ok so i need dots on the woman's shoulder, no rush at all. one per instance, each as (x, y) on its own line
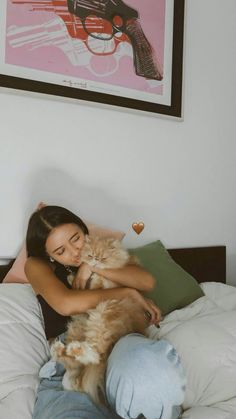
(42, 277)
(33, 262)
(37, 271)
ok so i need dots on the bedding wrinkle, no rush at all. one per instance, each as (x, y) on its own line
(204, 334)
(23, 347)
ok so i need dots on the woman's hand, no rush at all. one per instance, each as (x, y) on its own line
(83, 274)
(41, 205)
(151, 311)
(156, 312)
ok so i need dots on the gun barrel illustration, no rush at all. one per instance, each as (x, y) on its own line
(123, 18)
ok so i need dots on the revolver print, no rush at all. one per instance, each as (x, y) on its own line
(119, 18)
(111, 21)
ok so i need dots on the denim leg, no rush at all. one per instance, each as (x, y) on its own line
(53, 402)
(145, 377)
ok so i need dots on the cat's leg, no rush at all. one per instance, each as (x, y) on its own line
(57, 350)
(105, 325)
(82, 352)
(76, 344)
(70, 379)
(91, 381)
(67, 382)
(59, 354)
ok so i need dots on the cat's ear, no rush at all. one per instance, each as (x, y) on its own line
(114, 243)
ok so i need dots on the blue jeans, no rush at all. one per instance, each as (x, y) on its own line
(144, 378)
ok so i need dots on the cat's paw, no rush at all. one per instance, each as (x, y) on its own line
(57, 350)
(82, 352)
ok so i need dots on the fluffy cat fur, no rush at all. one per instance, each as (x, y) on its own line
(104, 253)
(91, 336)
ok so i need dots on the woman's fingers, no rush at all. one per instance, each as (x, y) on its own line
(83, 274)
(155, 312)
(41, 205)
(74, 284)
(151, 311)
(82, 282)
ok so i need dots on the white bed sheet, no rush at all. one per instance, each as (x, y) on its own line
(23, 350)
(204, 334)
(18, 404)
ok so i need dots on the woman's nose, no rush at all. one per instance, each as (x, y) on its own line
(74, 250)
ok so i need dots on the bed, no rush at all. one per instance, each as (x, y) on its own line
(203, 332)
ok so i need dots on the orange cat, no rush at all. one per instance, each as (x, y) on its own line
(91, 336)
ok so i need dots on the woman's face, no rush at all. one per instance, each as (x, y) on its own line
(64, 244)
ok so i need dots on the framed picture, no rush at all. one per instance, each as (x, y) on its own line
(126, 53)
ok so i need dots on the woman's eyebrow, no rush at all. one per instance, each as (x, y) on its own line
(74, 235)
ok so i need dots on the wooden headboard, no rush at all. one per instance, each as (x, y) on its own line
(203, 263)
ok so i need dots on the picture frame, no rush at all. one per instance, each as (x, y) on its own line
(146, 76)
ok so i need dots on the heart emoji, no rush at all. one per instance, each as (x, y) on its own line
(138, 227)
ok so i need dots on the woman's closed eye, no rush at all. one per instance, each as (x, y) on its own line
(76, 238)
(60, 252)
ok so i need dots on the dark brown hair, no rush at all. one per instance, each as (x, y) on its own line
(41, 224)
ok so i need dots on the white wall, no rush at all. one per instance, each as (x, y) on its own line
(116, 167)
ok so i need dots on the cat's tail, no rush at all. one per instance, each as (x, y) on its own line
(92, 381)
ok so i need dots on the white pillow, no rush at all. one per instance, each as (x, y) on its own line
(23, 345)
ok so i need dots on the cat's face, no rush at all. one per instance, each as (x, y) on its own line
(104, 253)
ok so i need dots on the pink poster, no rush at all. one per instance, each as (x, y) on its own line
(115, 47)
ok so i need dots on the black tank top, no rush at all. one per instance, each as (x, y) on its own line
(55, 323)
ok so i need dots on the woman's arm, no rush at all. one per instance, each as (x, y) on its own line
(132, 276)
(68, 302)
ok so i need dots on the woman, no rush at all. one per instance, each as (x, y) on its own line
(55, 237)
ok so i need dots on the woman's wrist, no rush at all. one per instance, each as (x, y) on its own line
(96, 270)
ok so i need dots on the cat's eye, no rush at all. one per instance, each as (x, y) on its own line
(90, 256)
(103, 259)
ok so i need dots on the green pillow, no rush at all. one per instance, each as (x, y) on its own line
(174, 287)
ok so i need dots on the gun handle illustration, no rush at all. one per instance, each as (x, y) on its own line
(145, 62)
